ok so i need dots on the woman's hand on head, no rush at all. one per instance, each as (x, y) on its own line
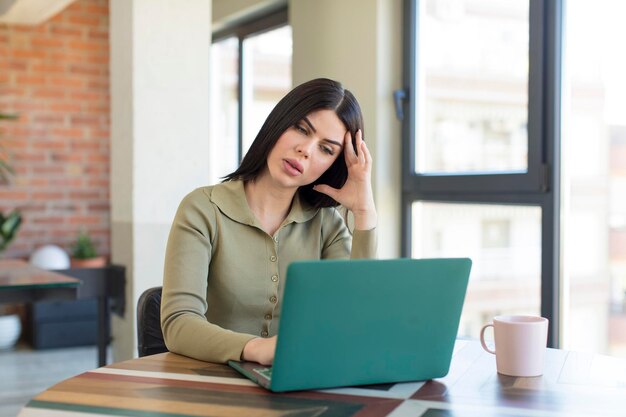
(356, 195)
(260, 350)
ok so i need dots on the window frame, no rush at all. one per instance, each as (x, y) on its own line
(539, 186)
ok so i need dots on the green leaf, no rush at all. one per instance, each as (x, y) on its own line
(8, 228)
(5, 168)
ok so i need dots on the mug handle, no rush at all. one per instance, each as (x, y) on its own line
(482, 338)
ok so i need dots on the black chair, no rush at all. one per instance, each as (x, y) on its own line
(149, 333)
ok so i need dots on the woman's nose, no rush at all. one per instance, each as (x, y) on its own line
(303, 149)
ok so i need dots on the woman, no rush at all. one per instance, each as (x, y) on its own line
(230, 244)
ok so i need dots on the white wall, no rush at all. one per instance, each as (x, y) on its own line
(159, 135)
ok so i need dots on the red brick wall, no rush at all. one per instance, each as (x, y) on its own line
(56, 77)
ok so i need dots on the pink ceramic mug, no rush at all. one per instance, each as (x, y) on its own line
(520, 344)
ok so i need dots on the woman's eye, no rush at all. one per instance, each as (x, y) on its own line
(301, 129)
(327, 149)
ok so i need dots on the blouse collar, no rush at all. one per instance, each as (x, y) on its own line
(230, 198)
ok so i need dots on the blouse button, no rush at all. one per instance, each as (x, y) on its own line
(273, 258)
(268, 317)
(264, 333)
(273, 299)
(275, 278)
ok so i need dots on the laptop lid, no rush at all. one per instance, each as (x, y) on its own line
(356, 322)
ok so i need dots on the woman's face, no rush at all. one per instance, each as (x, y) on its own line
(306, 150)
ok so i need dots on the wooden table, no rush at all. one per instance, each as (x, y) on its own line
(23, 282)
(573, 384)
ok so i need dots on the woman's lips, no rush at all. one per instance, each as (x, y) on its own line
(292, 167)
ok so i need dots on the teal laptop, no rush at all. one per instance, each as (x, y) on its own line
(360, 322)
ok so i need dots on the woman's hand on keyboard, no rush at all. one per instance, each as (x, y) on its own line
(260, 350)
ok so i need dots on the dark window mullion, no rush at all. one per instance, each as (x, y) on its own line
(411, 22)
(536, 48)
(463, 183)
(407, 224)
(240, 103)
(551, 133)
(409, 69)
(512, 198)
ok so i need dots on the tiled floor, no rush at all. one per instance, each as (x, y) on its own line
(25, 372)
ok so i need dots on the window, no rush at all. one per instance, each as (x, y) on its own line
(250, 73)
(480, 136)
(473, 86)
(504, 243)
(224, 145)
(266, 77)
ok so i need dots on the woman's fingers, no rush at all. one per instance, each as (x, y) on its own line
(358, 143)
(364, 157)
(366, 154)
(362, 147)
(356, 152)
(349, 152)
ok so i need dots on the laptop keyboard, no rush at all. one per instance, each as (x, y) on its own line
(265, 372)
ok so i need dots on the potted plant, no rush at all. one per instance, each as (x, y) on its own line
(84, 253)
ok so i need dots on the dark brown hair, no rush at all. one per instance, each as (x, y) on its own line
(304, 99)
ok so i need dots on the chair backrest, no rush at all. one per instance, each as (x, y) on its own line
(149, 333)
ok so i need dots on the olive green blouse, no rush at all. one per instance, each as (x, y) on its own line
(224, 275)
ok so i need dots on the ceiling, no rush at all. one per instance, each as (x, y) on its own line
(30, 12)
